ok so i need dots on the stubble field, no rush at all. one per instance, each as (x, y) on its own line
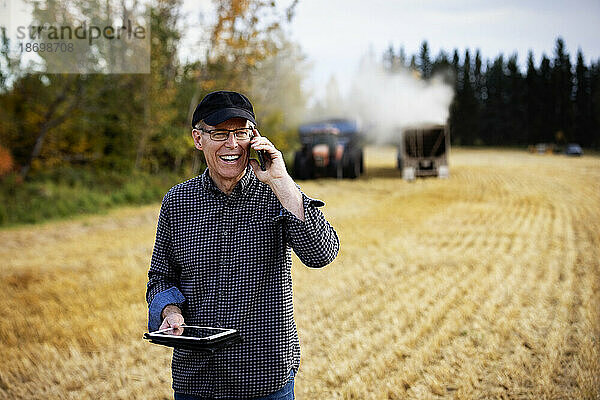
(485, 285)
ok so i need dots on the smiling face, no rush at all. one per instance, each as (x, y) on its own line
(226, 160)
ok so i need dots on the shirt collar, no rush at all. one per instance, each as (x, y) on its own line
(240, 188)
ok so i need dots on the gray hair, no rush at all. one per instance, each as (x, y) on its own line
(200, 125)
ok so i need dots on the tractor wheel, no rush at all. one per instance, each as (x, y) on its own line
(301, 168)
(353, 169)
(339, 170)
(362, 164)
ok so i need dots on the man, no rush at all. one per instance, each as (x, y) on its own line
(222, 258)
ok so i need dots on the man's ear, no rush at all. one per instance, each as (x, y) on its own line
(196, 136)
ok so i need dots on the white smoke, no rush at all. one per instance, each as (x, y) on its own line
(386, 102)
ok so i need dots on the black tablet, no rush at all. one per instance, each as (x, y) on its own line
(201, 338)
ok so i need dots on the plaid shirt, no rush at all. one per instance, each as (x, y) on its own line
(226, 261)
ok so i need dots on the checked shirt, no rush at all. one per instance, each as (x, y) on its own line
(226, 261)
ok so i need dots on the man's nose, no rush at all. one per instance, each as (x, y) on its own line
(231, 141)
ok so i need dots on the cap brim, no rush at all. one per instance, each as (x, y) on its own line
(227, 113)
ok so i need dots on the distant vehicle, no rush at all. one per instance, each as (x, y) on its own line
(423, 151)
(330, 148)
(540, 148)
(544, 148)
(573, 149)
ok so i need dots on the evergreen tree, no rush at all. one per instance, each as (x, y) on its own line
(595, 103)
(413, 63)
(495, 113)
(425, 61)
(515, 103)
(495, 103)
(547, 107)
(456, 62)
(583, 129)
(562, 84)
(479, 91)
(469, 108)
(533, 124)
(402, 57)
(478, 78)
(393, 62)
(454, 122)
(389, 58)
(442, 67)
(464, 109)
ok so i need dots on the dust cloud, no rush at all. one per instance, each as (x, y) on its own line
(386, 102)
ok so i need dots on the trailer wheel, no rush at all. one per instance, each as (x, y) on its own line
(353, 169)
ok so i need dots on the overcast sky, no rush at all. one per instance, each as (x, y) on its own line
(334, 34)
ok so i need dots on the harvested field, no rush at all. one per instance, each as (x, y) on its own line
(485, 285)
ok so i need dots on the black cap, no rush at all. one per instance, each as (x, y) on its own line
(220, 106)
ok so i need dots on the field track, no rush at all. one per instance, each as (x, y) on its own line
(485, 285)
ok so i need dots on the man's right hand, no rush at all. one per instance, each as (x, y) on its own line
(172, 319)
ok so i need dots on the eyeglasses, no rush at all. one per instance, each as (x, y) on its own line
(220, 135)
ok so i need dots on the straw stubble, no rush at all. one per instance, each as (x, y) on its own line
(485, 285)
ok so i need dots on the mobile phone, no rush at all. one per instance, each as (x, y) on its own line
(261, 158)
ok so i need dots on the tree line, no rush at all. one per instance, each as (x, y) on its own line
(497, 104)
(141, 122)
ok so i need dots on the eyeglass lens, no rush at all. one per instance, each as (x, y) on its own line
(241, 134)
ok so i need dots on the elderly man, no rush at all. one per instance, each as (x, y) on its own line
(222, 258)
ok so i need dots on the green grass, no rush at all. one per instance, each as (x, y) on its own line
(67, 192)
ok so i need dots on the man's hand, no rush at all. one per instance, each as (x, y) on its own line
(172, 318)
(276, 176)
(274, 164)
